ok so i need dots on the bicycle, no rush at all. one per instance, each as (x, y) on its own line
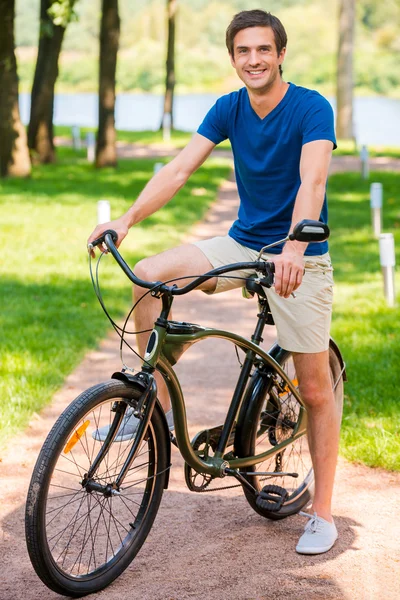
(91, 503)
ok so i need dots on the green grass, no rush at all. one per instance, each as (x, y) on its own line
(348, 148)
(179, 139)
(50, 316)
(365, 328)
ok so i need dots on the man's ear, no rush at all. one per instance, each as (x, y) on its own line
(281, 55)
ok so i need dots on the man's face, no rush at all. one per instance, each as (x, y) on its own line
(255, 57)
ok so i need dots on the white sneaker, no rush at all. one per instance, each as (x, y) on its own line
(318, 537)
(128, 427)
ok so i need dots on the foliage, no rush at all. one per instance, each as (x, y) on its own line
(202, 62)
(50, 316)
(62, 12)
(365, 328)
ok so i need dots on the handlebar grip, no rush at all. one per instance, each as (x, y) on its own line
(268, 279)
(100, 240)
(270, 266)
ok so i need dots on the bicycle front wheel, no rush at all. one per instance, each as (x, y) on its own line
(270, 417)
(80, 537)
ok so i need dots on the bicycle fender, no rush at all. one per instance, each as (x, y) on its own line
(278, 353)
(335, 348)
(134, 380)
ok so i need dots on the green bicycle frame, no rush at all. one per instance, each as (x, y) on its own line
(163, 350)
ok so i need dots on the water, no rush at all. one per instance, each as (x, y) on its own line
(376, 119)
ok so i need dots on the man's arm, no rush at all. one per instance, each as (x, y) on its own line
(161, 188)
(314, 165)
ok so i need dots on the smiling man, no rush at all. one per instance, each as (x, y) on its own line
(282, 138)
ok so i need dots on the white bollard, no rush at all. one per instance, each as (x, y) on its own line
(167, 127)
(376, 195)
(76, 137)
(388, 263)
(157, 167)
(103, 212)
(364, 155)
(90, 144)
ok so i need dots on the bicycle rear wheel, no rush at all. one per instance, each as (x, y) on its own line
(80, 539)
(270, 417)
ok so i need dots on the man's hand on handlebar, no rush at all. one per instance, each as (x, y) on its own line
(289, 270)
(119, 226)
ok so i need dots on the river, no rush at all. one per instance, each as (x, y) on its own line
(376, 119)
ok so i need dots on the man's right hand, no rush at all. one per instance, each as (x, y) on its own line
(119, 226)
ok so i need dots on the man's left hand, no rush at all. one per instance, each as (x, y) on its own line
(289, 270)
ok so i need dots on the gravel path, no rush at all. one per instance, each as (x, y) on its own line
(213, 546)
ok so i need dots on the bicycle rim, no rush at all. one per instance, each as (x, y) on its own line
(88, 538)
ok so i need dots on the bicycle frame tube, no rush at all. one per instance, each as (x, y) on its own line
(165, 346)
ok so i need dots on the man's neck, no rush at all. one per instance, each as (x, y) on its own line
(264, 101)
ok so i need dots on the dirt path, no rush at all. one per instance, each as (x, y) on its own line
(213, 546)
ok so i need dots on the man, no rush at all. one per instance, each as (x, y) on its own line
(282, 138)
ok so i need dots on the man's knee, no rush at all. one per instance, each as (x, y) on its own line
(147, 269)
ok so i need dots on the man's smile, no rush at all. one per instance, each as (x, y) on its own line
(255, 72)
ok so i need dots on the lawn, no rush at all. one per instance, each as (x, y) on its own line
(366, 329)
(180, 138)
(50, 316)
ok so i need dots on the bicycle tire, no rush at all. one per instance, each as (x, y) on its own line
(296, 456)
(79, 541)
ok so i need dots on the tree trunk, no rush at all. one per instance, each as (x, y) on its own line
(344, 90)
(106, 152)
(172, 6)
(40, 130)
(14, 155)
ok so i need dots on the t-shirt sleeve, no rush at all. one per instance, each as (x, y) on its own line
(318, 121)
(215, 124)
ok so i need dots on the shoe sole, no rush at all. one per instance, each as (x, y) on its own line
(319, 550)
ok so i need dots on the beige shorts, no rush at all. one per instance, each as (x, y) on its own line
(302, 323)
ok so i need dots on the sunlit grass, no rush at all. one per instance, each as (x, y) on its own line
(50, 316)
(367, 330)
(179, 139)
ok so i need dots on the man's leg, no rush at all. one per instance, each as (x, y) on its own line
(177, 262)
(323, 425)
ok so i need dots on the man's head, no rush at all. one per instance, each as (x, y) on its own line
(257, 34)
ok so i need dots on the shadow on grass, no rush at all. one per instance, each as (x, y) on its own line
(44, 333)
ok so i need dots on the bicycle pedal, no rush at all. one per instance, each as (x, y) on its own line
(271, 498)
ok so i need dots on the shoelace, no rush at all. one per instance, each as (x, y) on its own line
(313, 523)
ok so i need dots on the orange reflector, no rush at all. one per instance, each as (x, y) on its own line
(76, 436)
(286, 391)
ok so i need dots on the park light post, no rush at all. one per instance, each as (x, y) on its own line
(388, 263)
(364, 155)
(376, 195)
(103, 212)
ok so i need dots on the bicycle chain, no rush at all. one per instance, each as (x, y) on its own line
(228, 487)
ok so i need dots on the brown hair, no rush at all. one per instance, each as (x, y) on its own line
(256, 18)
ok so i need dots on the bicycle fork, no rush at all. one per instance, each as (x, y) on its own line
(143, 410)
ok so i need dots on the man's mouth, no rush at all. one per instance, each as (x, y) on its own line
(256, 72)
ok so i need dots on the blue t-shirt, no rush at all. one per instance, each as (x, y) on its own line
(267, 159)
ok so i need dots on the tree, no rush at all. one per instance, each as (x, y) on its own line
(172, 6)
(344, 81)
(106, 154)
(14, 155)
(54, 18)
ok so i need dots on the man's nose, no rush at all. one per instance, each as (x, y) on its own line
(254, 59)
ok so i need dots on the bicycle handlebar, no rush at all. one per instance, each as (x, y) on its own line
(109, 238)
